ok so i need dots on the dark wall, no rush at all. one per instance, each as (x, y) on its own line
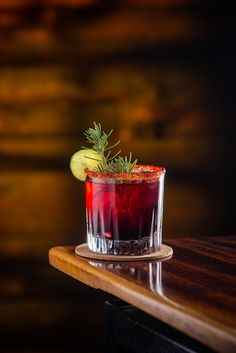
(162, 77)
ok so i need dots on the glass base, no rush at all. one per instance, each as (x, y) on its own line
(146, 245)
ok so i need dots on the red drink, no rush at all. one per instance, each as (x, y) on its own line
(124, 211)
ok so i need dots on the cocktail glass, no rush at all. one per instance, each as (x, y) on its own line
(124, 211)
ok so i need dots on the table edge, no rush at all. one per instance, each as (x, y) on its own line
(207, 331)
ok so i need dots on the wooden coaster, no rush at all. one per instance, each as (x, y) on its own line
(83, 250)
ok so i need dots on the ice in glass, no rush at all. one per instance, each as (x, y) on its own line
(124, 211)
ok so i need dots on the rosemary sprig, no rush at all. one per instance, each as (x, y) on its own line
(122, 164)
(108, 163)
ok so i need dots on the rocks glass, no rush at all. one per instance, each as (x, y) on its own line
(124, 211)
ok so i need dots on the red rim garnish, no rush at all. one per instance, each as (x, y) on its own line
(139, 172)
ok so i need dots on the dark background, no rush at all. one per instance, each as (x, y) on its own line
(161, 74)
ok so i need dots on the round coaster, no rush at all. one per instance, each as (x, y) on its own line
(83, 250)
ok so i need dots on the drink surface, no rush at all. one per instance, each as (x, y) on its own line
(122, 211)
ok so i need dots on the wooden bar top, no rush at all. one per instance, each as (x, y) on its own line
(194, 291)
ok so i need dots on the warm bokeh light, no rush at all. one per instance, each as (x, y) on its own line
(159, 74)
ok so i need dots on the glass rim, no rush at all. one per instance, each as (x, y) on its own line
(140, 172)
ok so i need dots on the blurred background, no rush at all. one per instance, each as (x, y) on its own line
(160, 73)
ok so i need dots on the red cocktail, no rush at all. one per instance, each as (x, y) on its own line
(124, 211)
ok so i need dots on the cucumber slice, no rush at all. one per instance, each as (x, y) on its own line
(86, 158)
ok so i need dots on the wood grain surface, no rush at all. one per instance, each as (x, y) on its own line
(194, 291)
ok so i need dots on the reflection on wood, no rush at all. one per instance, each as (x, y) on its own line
(193, 291)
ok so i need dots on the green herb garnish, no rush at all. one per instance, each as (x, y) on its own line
(108, 163)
